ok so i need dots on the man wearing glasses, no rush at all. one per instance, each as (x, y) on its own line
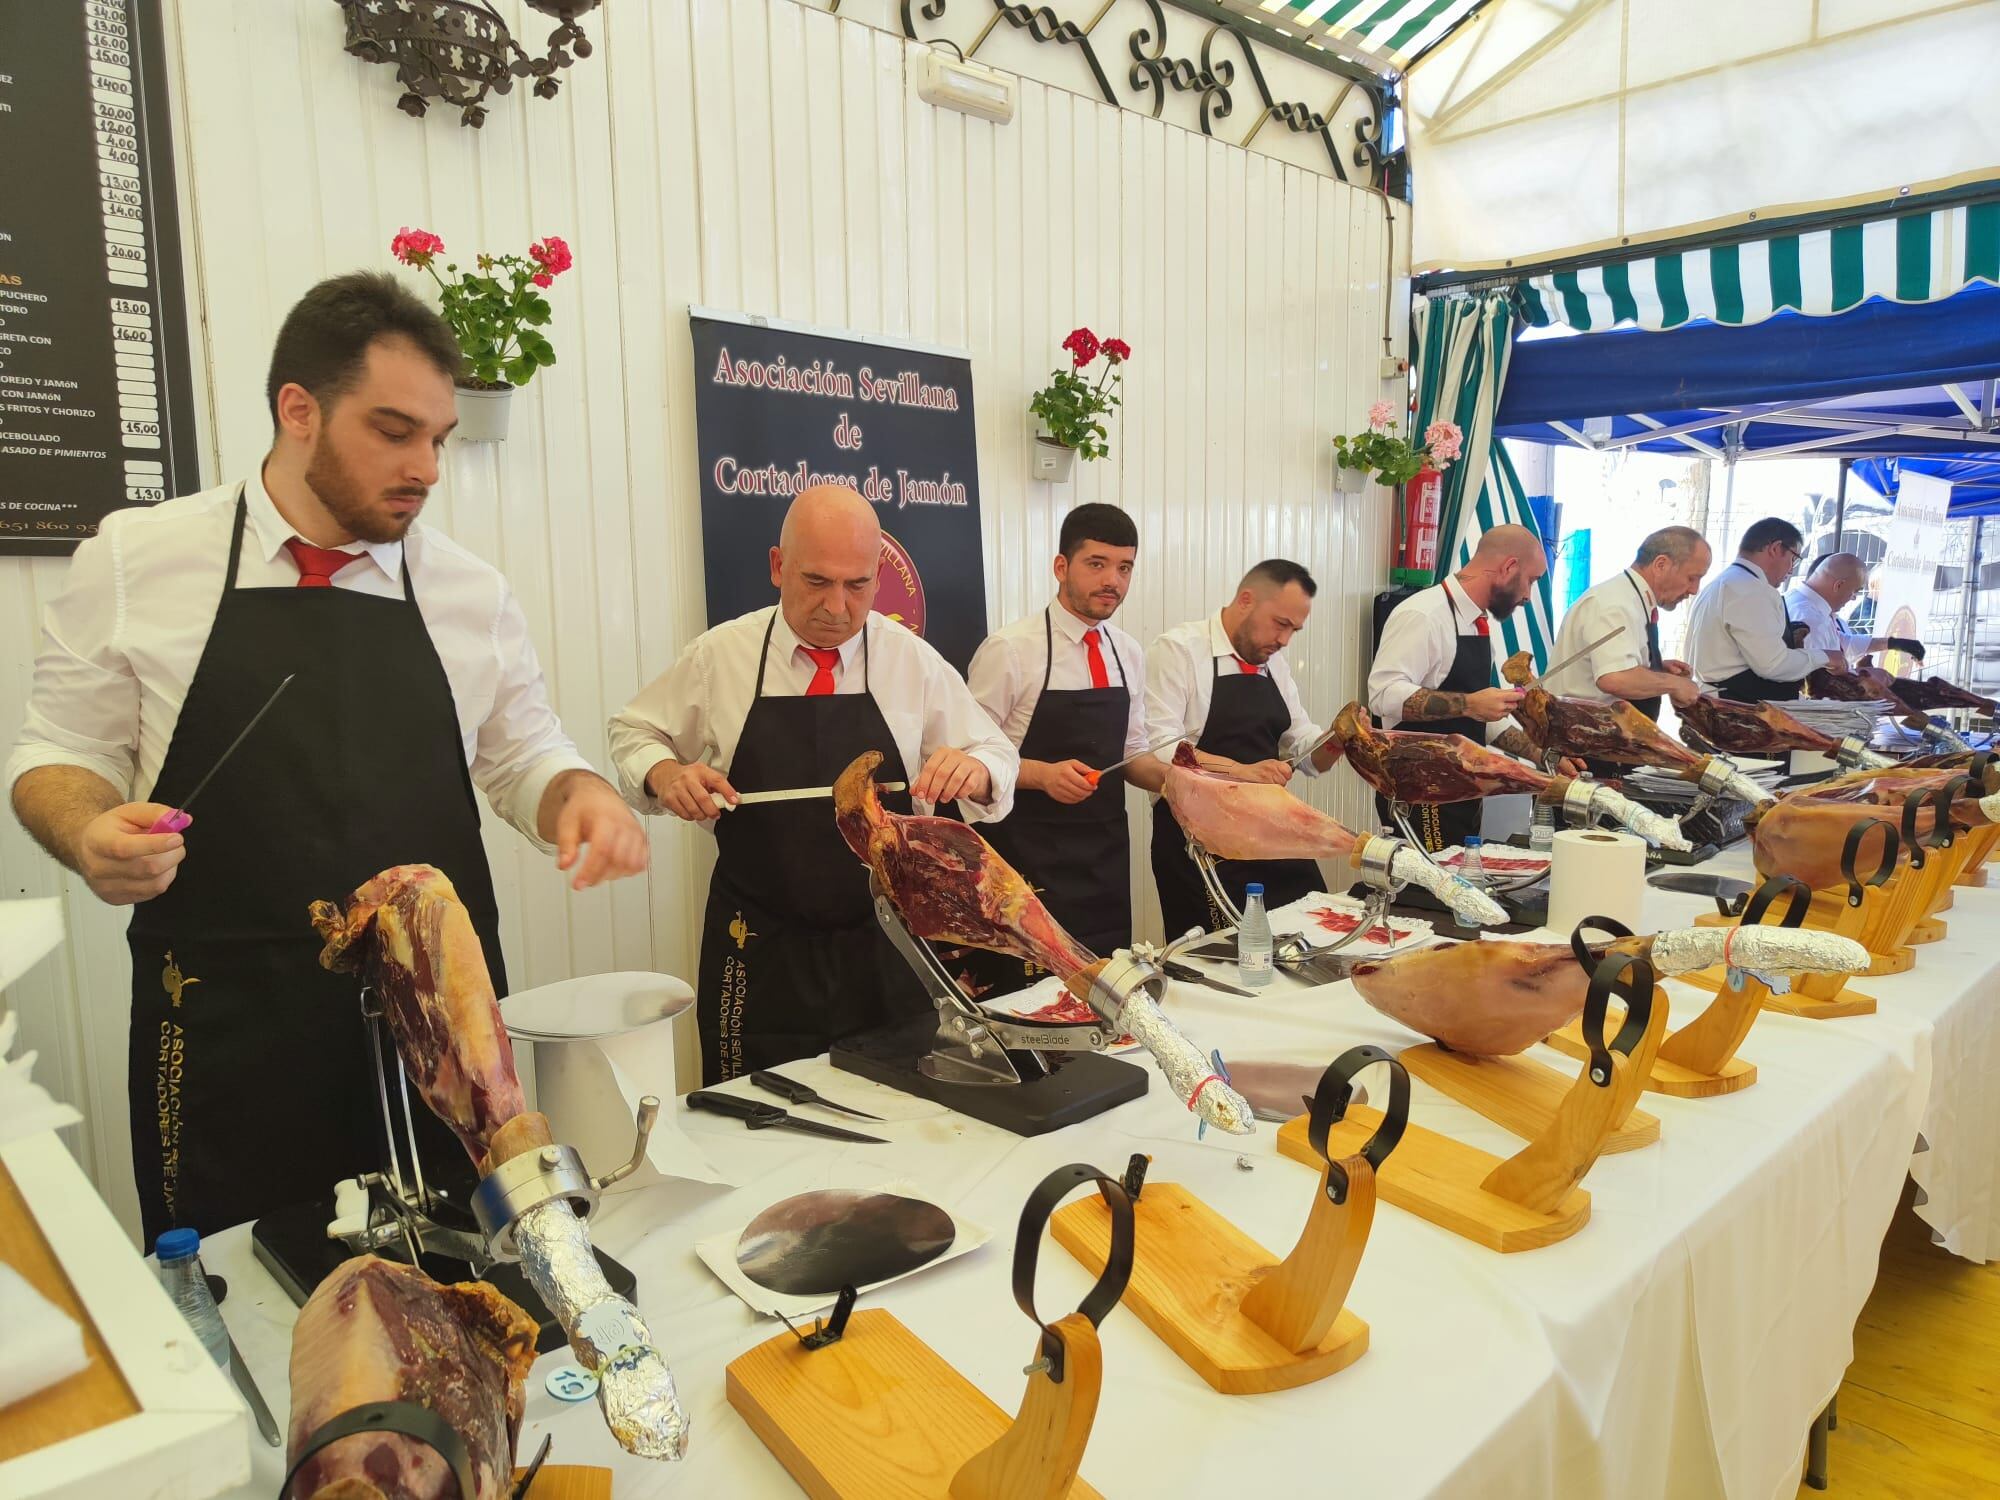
(1742, 643)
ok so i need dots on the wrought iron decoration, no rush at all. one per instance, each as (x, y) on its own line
(459, 51)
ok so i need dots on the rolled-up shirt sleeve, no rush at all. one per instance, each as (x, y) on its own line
(954, 718)
(665, 721)
(521, 745)
(83, 704)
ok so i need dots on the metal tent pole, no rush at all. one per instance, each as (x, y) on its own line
(1968, 612)
(1840, 507)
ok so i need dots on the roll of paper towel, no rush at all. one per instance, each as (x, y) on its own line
(1596, 874)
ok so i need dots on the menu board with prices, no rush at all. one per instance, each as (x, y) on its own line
(96, 408)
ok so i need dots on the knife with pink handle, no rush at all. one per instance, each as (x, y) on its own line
(177, 819)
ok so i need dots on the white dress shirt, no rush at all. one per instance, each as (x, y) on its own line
(1823, 628)
(1007, 669)
(694, 711)
(1623, 599)
(1180, 679)
(122, 639)
(1739, 622)
(1419, 644)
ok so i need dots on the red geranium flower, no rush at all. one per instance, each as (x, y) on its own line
(552, 255)
(542, 278)
(1117, 351)
(415, 247)
(1082, 345)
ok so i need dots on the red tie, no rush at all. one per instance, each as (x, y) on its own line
(1653, 618)
(317, 565)
(1245, 667)
(1098, 676)
(823, 660)
(1483, 625)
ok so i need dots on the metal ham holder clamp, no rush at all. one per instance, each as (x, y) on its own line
(1025, 1076)
(1292, 950)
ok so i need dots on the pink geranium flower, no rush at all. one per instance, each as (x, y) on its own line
(1380, 415)
(415, 247)
(1444, 440)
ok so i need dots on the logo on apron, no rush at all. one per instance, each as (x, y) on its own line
(740, 930)
(899, 591)
(167, 1089)
(173, 981)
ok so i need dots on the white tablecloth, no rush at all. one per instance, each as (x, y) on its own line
(1680, 1344)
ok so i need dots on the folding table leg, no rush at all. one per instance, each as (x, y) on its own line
(1816, 1449)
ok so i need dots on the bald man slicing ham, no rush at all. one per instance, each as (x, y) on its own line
(785, 698)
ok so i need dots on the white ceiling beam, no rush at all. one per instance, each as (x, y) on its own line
(1970, 409)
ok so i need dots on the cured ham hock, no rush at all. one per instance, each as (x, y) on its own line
(950, 886)
(375, 1331)
(1802, 833)
(411, 940)
(1235, 819)
(1760, 729)
(1493, 998)
(1426, 768)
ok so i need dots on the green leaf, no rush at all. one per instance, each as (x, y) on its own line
(520, 371)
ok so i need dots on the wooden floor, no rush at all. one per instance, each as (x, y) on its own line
(1920, 1408)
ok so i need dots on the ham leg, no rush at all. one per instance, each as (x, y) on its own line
(951, 887)
(1235, 819)
(1760, 729)
(1935, 692)
(410, 938)
(1424, 768)
(376, 1330)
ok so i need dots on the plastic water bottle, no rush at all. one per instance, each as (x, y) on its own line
(1542, 831)
(1474, 867)
(179, 1252)
(1253, 938)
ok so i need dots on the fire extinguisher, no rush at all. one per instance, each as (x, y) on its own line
(1422, 498)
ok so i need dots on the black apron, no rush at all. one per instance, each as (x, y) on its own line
(1076, 855)
(1746, 686)
(1247, 719)
(1650, 707)
(249, 1073)
(1443, 824)
(792, 958)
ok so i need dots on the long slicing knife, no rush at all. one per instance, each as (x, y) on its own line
(1576, 656)
(792, 794)
(1093, 777)
(176, 820)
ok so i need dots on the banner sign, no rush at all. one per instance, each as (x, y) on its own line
(95, 407)
(779, 409)
(1907, 574)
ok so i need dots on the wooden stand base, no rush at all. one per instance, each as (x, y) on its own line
(1698, 1061)
(1192, 1270)
(1444, 1181)
(1515, 1093)
(879, 1416)
(1666, 1077)
(1805, 998)
(1897, 961)
(1927, 930)
(1973, 878)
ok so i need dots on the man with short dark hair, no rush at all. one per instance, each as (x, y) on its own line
(1741, 641)
(1667, 570)
(415, 681)
(1068, 688)
(1223, 683)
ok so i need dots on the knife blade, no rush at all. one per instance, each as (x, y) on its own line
(794, 1092)
(177, 819)
(1575, 656)
(1093, 777)
(1718, 887)
(793, 794)
(266, 1423)
(757, 1115)
(1189, 974)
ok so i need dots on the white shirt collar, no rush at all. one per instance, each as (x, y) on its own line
(273, 530)
(785, 644)
(1070, 627)
(1448, 586)
(1645, 589)
(1219, 644)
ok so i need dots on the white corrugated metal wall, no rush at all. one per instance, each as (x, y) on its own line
(758, 155)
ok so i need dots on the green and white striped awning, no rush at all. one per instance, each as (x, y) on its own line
(1391, 34)
(1919, 257)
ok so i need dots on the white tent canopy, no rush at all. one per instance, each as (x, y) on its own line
(1548, 128)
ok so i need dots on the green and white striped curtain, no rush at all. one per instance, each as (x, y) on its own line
(1396, 31)
(1462, 348)
(1918, 257)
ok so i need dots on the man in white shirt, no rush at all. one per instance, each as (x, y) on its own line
(1433, 671)
(413, 680)
(787, 696)
(1667, 569)
(1068, 688)
(1740, 639)
(1816, 601)
(1223, 683)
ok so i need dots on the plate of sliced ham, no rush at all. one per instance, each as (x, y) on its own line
(1322, 918)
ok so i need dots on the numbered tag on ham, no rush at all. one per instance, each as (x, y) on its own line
(377, 1331)
(411, 940)
(950, 887)
(1493, 998)
(1436, 768)
(1235, 819)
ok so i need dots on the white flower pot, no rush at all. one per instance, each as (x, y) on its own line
(1052, 460)
(482, 415)
(1353, 481)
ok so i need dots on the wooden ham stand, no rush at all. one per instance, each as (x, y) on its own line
(1531, 1199)
(863, 1409)
(1215, 1296)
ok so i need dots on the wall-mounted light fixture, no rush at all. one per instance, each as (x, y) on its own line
(459, 51)
(969, 87)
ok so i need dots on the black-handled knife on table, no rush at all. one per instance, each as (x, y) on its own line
(757, 1115)
(794, 1092)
